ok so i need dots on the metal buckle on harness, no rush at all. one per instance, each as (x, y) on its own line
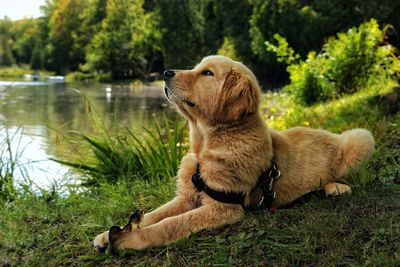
(267, 189)
(261, 201)
(273, 179)
(279, 174)
(263, 198)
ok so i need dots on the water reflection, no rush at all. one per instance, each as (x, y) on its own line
(36, 106)
(29, 150)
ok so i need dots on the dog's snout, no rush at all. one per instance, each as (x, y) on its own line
(168, 74)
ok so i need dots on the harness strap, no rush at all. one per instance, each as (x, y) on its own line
(225, 197)
(265, 182)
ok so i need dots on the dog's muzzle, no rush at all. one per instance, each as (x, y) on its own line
(168, 74)
(166, 93)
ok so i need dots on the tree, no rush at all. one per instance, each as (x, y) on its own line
(25, 35)
(6, 57)
(65, 51)
(234, 16)
(306, 24)
(37, 58)
(127, 35)
(190, 31)
(92, 17)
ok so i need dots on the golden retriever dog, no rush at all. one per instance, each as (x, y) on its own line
(230, 149)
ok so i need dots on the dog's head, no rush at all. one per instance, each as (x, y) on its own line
(218, 90)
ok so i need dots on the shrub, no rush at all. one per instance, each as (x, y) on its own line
(78, 76)
(228, 49)
(346, 64)
(18, 72)
(103, 77)
(157, 154)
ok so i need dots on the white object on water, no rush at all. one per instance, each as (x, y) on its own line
(31, 77)
(108, 94)
(57, 79)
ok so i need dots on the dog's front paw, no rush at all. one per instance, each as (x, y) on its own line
(336, 189)
(118, 236)
(113, 237)
(101, 241)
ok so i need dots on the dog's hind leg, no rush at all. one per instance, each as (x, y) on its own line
(356, 145)
(336, 189)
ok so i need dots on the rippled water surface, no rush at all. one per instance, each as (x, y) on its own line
(37, 114)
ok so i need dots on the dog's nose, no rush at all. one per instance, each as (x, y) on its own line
(168, 74)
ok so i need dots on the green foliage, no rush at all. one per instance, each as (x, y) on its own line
(349, 111)
(191, 29)
(78, 76)
(25, 36)
(233, 18)
(133, 38)
(157, 154)
(283, 51)
(6, 57)
(38, 56)
(9, 164)
(127, 35)
(18, 72)
(64, 44)
(228, 49)
(345, 65)
(89, 76)
(307, 24)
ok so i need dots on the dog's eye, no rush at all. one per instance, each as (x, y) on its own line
(207, 73)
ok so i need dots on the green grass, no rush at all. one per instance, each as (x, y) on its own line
(361, 109)
(351, 230)
(9, 163)
(362, 229)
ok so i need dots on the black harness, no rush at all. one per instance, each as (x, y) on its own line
(265, 183)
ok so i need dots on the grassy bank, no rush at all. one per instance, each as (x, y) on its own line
(48, 229)
(354, 230)
(19, 72)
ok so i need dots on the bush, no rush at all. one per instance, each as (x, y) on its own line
(346, 64)
(228, 49)
(78, 76)
(18, 72)
(103, 77)
(88, 76)
(126, 156)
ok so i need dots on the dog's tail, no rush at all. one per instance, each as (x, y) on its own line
(357, 145)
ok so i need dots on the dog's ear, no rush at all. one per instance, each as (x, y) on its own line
(237, 98)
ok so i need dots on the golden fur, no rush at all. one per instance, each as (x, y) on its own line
(234, 146)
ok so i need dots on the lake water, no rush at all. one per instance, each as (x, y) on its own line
(38, 114)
